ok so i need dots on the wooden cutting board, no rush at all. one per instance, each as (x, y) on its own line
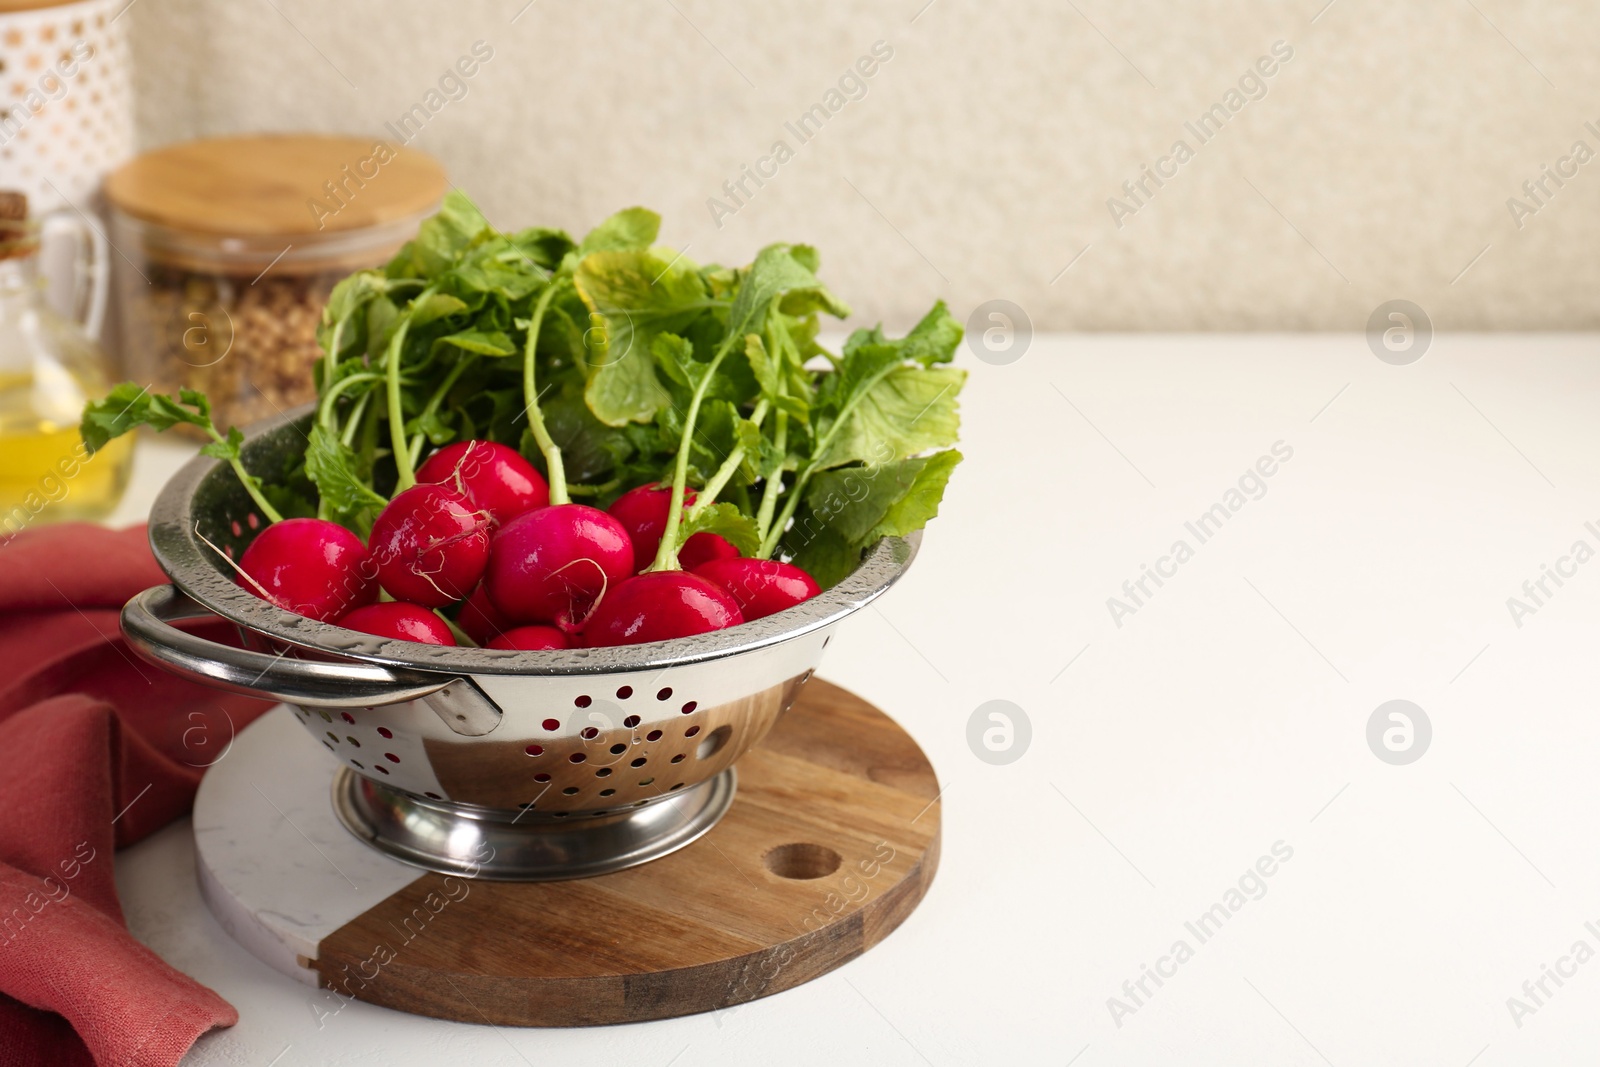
(831, 842)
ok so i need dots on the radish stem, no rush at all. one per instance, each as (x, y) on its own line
(247, 479)
(397, 419)
(667, 554)
(730, 466)
(554, 469)
(349, 433)
(436, 399)
(769, 492)
(770, 542)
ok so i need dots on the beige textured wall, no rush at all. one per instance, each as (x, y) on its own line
(980, 161)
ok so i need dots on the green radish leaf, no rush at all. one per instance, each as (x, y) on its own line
(545, 247)
(637, 295)
(717, 431)
(778, 273)
(821, 551)
(848, 510)
(630, 230)
(893, 413)
(508, 278)
(290, 504)
(726, 521)
(434, 425)
(442, 239)
(434, 307)
(484, 344)
(128, 406)
(932, 340)
(936, 338)
(382, 317)
(332, 468)
(866, 503)
(762, 366)
(347, 308)
(590, 449)
(227, 448)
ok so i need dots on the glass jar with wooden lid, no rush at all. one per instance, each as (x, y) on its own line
(228, 248)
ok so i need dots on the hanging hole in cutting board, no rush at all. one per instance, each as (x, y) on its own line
(802, 861)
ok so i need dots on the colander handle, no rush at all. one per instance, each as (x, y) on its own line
(147, 622)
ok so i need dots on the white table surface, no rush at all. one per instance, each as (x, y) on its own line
(1170, 753)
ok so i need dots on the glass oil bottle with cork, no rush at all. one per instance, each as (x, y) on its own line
(49, 368)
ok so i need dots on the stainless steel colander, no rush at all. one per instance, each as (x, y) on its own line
(508, 765)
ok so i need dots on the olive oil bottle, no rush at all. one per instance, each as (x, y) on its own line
(49, 368)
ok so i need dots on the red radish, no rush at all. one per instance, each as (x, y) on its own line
(658, 606)
(702, 548)
(311, 567)
(643, 513)
(431, 545)
(761, 586)
(551, 565)
(492, 477)
(532, 639)
(401, 621)
(480, 619)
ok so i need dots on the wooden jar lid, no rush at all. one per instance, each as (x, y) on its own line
(267, 185)
(9, 6)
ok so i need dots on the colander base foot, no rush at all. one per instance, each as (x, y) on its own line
(510, 847)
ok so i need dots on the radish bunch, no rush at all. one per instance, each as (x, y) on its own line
(529, 442)
(528, 574)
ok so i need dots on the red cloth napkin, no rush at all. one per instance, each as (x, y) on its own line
(98, 749)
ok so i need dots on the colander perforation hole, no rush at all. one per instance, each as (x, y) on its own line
(646, 781)
(353, 741)
(534, 750)
(584, 701)
(631, 721)
(688, 709)
(665, 694)
(347, 717)
(625, 692)
(607, 792)
(640, 762)
(618, 749)
(357, 764)
(380, 768)
(385, 733)
(333, 737)
(570, 791)
(653, 735)
(679, 758)
(552, 725)
(714, 742)
(327, 746)
(603, 772)
(589, 733)
(691, 731)
(541, 777)
(391, 757)
(577, 757)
